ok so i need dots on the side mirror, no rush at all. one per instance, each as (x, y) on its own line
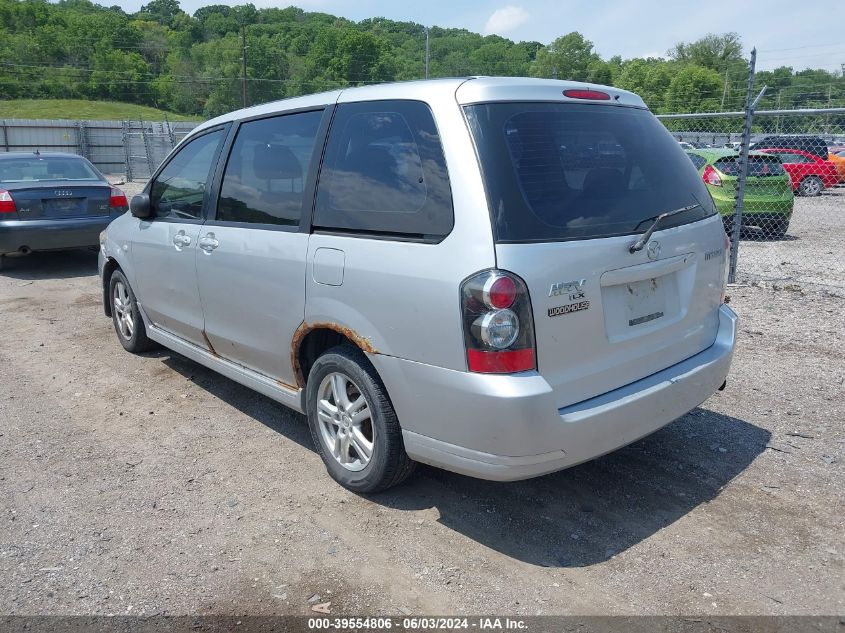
(140, 206)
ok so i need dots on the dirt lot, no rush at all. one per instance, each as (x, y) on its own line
(813, 250)
(148, 484)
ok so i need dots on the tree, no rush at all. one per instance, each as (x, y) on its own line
(568, 57)
(694, 89)
(76, 48)
(716, 52)
(161, 11)
(649, 78)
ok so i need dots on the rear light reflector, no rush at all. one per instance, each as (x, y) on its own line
(595, 95)
(7, 204)
(498, 324)
(117, 198)
(711, 176)
(505, 362)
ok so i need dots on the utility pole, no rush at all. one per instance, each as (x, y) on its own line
(827, 119)
(725, 91)
(426, 52)
(243, 63)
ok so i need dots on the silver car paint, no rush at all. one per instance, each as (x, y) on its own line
(166, 253)
(240, 309)
(403, 296)
(402, 299)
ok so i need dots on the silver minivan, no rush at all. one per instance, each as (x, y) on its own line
(502, 277)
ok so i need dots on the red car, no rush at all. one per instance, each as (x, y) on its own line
(809, 173)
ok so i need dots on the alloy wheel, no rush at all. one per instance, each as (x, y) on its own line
(122, 307)
(345, 421)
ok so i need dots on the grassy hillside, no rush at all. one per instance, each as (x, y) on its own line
(82, 109)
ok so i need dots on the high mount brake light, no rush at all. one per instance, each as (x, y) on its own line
(498, 325)
(578, 93)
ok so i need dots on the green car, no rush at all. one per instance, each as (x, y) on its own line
(768, 190)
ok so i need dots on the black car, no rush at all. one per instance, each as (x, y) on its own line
(53, 201)
(811, 144)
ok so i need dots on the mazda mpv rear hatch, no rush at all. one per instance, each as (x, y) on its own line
(571, 186)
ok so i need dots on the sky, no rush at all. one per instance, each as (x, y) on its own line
(785, 32)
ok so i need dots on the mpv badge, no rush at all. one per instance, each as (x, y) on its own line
(653, 249)
(575, 289)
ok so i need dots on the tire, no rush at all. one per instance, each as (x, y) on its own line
(781, 228)
(342, 441)
(811, 186)
(128, 324)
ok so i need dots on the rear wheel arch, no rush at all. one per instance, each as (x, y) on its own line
(310, 341)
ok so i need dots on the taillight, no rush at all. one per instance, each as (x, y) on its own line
(711, 176)
(498, 325)
(117, 198)
(7, 205)
(577, 93)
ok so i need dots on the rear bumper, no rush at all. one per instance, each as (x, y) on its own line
(508, 428)
(764, 220)
(43, 235)
(773, 208)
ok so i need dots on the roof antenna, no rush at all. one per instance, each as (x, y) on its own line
(36, 152)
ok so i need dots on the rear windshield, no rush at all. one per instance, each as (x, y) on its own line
(561, 171)
(758, 166)
(45, 168)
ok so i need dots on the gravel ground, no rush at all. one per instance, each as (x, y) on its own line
(148, 484)
(813, 250)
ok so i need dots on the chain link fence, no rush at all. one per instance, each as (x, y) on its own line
(793, 202)
(781, 172)
(128, 149)
(778, 180)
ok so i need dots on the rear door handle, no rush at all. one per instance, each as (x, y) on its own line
(180, 240)
(208, 243)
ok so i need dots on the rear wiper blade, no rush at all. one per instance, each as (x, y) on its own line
(640, 243)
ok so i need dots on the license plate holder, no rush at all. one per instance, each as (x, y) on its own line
(62, 206)
(646, 301)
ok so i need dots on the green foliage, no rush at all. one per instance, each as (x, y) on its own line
(694, 89)
(716, 52)
(568, 57)
(82, 109)
(163, 57)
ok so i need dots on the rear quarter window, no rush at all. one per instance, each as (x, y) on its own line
(384, 172)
